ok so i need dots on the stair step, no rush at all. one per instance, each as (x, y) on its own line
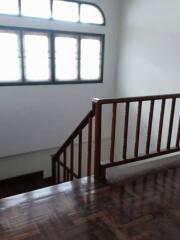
(22, 184)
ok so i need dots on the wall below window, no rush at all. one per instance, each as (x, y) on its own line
(21, 164)
(41, 117)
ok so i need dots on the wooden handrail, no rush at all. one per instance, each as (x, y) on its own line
(57, 163)
(135, 99)
(74, 134)
(137, 156)
(62, 170)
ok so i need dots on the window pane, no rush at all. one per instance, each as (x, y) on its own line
(9, 57)
(90, 14)
(36, 8)
(90, 59)
(66, 58)
(9, 7)
(36, 53)
(67, 11)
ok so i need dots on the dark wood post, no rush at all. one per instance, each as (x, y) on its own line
(97, 150)
(53, 169)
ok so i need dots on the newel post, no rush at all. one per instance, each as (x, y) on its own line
(53, 169)
(97, 151)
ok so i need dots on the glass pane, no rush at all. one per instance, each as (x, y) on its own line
(36, 8)
(90, 14)
(66, 52)
(66, 11)
(36, 53)
(9, 57)
(9, 7)
(90, 59)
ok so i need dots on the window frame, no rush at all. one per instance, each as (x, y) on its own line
(63, 21)
(51, 35)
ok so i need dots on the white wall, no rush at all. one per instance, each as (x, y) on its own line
(41, 161)
(41, 117)
(149, 60)
(145, 33)
(149, 52)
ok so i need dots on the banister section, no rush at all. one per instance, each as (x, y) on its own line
(136, 99)
(160, 122)
(59, 160)
(75, 133)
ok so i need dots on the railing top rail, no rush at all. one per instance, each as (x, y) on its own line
(135, 99)
(75, 133)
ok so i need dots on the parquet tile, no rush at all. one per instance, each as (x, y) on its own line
(141, 207)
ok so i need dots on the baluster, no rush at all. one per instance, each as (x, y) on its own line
(68, 174)
(161, 125)
(126, 123)
(53, 168)
(56, 167)
(149, 132)
(113, 132)
(136, 150)
(80, 154)
(178, 135)
(58, 170)
(171, 123)
(72, 160)
(97, 152)
(89, 147)
(64, 167)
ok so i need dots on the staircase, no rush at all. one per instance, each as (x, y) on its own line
(22, 184)
(69, 163)
(66, 166)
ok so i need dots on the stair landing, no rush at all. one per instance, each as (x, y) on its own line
(141, 207)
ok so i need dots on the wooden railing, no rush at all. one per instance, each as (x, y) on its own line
(61, 170)
(100, 166)
(137, 156)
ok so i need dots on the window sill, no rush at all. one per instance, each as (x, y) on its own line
(50, 83)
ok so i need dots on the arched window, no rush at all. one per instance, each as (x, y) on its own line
(90, 13)
(64, 10)
(48, 56)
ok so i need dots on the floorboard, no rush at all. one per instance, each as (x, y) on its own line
(140, 207)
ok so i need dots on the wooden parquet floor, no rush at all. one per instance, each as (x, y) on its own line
(142, 207)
